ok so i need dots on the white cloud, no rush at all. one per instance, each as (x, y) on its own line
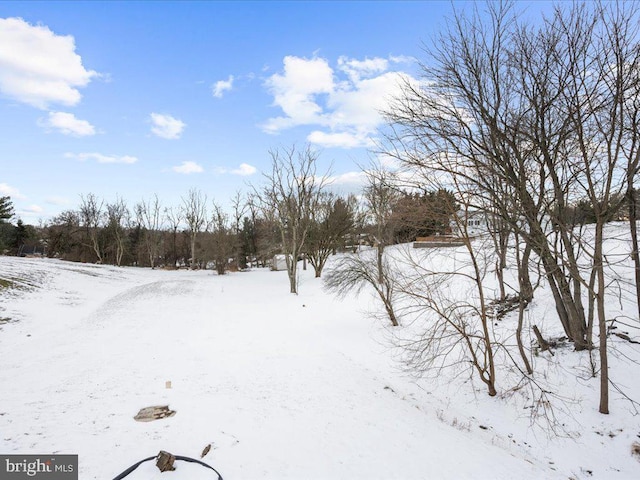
(33, 209)
(357, 69)
(244, 170)
(187, 168)
(402, 59)
(346, 103)
(340, 139)
(38, 67)
(349, 178)
(222, 86)
(388, 162)
(30, 211)
(57, 200)
(166, 126)
(296, 91)
(360, 105)
(9, 191)
(100, 158)
(68, 124)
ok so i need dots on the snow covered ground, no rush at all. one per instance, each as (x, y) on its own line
(282, 386)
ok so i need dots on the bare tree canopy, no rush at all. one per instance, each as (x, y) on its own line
(525, 121)
(91, 217)
(194, 213)
(291, 192)
(149, 215)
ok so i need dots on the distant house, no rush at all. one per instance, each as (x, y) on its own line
(476, 221)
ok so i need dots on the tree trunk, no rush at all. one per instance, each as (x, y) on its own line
(542, 343)
(391, 314)
(292, 271)
(526, 288)
(380, 251)
(385, 292)
(486, 338)
(152, 260)
(523, 299)
(501, 242)
(571, 317)
(568, 306)
(95, 246)
(293, 284)
(175, 247)
(633, 228)
(193, 252)
(602, 322)
(591, 321)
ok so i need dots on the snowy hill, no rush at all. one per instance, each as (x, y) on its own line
(282, 386)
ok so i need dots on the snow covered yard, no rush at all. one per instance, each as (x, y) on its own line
(282, 386)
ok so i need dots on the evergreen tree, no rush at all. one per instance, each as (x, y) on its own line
(6, 209)
(6, 230)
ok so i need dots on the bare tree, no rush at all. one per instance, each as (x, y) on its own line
(117, 219)
(549, 114)
(91, 217)
(222, 240)
(489, 116)
(291, 192)
(239, 207)
(380, 195)
(451, 303)
(353, 272)
(194, 212)
(451, 308)
(356, 271)
(174, 219)
(601, 103)
(149, 214)
(260, 234)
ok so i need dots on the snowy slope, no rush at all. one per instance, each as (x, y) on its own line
(283, 386)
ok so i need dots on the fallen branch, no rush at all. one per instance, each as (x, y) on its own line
(544, 345)
(626, 337)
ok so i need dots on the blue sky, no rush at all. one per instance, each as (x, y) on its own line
(133, 99)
